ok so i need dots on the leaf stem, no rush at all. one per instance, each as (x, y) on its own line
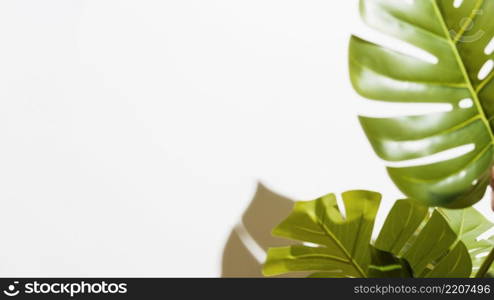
(486, 265)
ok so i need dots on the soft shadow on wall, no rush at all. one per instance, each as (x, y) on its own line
(245, 250)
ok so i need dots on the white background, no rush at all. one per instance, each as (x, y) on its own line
(133, 133)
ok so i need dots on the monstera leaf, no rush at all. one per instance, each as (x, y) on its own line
(457, 37)
(426, 241)
(344, 241)
(412, 243)
(469, 225)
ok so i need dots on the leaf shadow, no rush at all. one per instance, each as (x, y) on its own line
(245, 249)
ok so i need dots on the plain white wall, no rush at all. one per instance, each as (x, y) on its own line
(132, 133)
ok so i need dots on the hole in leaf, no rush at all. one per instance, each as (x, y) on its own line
(489, 48)
(465, 103)
(438, 157)
(486, 69)
(383, 109)
(486, 235)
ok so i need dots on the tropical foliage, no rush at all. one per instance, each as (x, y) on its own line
(414, 241)
(458, 38)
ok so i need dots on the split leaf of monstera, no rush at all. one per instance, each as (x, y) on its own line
(458, 37)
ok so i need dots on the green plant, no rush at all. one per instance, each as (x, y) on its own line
(381, 73)
(414, 241)
(469, 225)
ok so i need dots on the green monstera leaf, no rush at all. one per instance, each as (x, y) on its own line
(457, 37)
(470, 225)
(344, 241)
(425, 240)
(413, 242)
